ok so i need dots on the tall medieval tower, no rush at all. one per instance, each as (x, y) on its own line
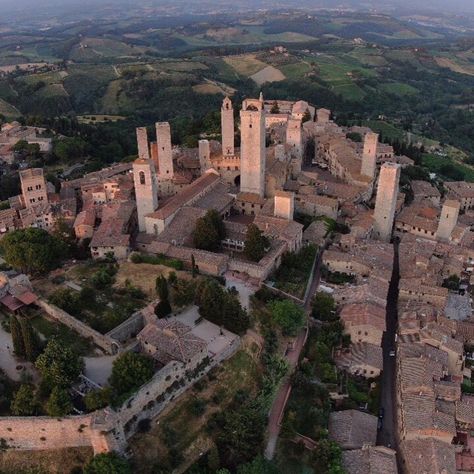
(252, 147)
(204, 155)
(369, 155)
(227, 127)
(448, 219)
(386, 200)
(146, 187)
(165, 156)
(143, 146)
(294, 141)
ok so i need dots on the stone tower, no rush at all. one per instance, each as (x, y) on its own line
(165, 156)
(227, 127)
(143, 146)
(448, 220)
(252, 148)
(323, 116)
(386, 200)
(369, 155)
(204, 155)
(33, 187)
(146, 189)
(294, 141)
(284, 205)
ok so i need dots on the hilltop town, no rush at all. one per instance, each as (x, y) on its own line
(367, 261)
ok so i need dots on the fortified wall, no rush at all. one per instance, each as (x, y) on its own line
(106, 343)
(107, 430)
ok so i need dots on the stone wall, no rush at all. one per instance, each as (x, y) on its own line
(128, 329)
(45, 433)
(109, 345)
(107, 430)
(167, 384)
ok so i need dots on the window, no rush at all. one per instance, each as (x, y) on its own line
(38, 186)
(142, 177)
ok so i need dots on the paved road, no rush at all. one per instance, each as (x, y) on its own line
(387, 435)
(279, 403)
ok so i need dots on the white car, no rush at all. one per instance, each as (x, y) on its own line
(391, 353)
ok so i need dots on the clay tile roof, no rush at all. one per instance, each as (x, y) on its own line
(352, 429)
(357, 314)
(173, 341)
(370, 460)
(428, 456)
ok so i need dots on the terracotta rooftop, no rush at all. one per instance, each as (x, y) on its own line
(173, 340)
(352, 429)
(370, 460)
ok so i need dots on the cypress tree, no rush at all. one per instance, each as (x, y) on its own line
(17, 337)
(30, 340)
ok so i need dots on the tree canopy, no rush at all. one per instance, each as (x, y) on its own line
(33, 250)
(107, 463)
(129, 372)
(288, 315)
(59, 365)
(209, 231)
(256, 244)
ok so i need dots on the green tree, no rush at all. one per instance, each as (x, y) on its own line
(24, 402)
(452, 283)
(30, 340)
(210, 299)
(306, 116)
(235, 318)
(256, 243)
(17, 337)
(33, 250)
(58, 365)
(288, 315)
(193, 266)
(59, 403)
(97, 399)
(275, 108)
(209, 231)
(163, 308)
(258, 466)
(130, 371)
(107, 463)
(324, 307)
(161, 286)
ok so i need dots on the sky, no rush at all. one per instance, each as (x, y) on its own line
(453, 6)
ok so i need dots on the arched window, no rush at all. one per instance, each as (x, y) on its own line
(142, 177)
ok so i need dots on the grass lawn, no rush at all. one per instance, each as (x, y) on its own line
(52, 461)
(296, 70)
(434, 164)
(398, 88)
(68, 337)
(214, 392)
(246, 64)
(8, 110)
(386, 129)
(292, 276)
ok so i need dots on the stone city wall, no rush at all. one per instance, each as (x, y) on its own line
(40, 432)
(167, 384)
(128, 329)
(106, 343)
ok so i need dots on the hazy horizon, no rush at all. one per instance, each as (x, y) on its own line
(453, 6)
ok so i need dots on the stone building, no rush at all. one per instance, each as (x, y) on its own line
(386, 200)
(284, 205)
(33, 187)
(252, 147)
(369, 155)
(227, 127)
(448, 220)
(146, 189)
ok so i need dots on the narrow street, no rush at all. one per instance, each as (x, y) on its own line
(387, 435)
(292, 357)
